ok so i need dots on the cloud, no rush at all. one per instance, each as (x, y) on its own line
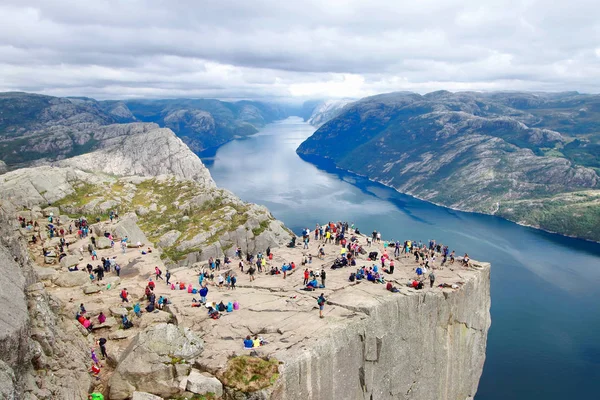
(302, 49)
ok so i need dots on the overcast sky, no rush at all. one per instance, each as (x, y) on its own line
(299, 49)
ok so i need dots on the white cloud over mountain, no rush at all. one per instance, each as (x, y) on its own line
(266, 49)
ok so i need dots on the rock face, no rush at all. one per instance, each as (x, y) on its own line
(326, 110)
(34, 340)
(510, 155)
(200, 383)
(142, 150)
(426, 346)
(152, 362)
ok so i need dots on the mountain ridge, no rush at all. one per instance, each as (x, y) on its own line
(493, 153)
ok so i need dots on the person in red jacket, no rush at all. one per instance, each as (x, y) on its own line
(124, 295)
(306, 276)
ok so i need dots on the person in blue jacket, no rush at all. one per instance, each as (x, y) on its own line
(203, 293)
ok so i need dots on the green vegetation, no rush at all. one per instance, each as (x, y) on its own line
(264, 225)
(249, 374)
(177, 208)
(574, 213)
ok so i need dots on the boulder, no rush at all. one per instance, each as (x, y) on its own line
(118, 311)
(169, 238)
(141, 210)
(109, 323)
(71, 279)
(103, 243)
(92, 288)
(46, 274)
(149, 361)
(203, 383)
(127, 226)
(69, 261)
(50, 260)
(145, 396)
(157, 316)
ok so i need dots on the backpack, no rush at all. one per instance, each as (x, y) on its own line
(229, 307)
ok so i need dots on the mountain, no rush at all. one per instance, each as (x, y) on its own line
(532, 158)
(37, 128)
(206, 123)
(317, 112)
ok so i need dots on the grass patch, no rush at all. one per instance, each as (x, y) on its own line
(249, 374)
(264, 225)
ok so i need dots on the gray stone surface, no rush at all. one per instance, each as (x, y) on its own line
(127, 227)
(103, 243)
(69, 261)
(169, 238)
(147, 364)
(72, 279)
(203, 383)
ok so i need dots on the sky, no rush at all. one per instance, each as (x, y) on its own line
(297, 49)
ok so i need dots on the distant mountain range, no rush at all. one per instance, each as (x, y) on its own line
(532, 158)
(36, 127)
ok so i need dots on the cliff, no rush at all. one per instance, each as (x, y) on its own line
(508, 155)
(428, 345)
(42, 352)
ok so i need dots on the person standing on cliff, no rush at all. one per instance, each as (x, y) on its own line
(321, 302)
(431, 278)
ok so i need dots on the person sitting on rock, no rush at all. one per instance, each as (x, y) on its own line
(126, 323)
(151, 284)
(137, 310)
(248, 343)
(101, 317)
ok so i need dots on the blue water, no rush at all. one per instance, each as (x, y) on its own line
(544, 339)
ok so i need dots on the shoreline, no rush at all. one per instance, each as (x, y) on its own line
(307, 158)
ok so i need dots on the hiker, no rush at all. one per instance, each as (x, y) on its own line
(126, 323)
(118, 269)
(306, 276)
(158, 273)
(321, 302)
(101, 317)
(431, 279)
(233, 281)
(124, 295)
(203, 294)
(323, 275)
(94, 357)
(167, 276)
(137, 310)
(248, 343)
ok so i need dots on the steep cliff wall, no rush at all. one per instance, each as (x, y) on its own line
(425, 345)
(42, 354)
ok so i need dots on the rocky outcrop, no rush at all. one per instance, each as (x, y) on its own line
(3, 167)
(34, 338)
(142, 150)
(421, 346)
(155, 361)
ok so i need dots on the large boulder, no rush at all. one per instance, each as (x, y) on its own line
(103, 243)
(169, 238)
(72, 279)
(127, 226)
(46, 274)
(69, 261)
(203, 383)
(150, 362)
